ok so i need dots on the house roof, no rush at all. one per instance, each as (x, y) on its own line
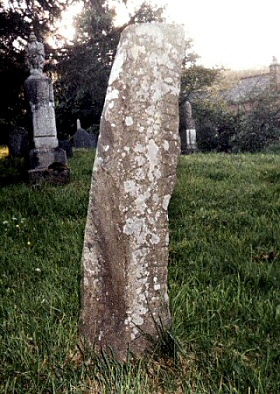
(247, 87)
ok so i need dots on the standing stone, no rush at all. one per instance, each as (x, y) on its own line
(187, 130)
(125, 254)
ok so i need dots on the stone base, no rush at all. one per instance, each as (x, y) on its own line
(43, 158)
(55, 177)
(45, 142)
(188, 150)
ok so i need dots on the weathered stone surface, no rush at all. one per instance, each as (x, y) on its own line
(40, 97)
(39, 92)
(83, 139)
(43, 158)
(125, 255)
(187, 130)
(35, 55)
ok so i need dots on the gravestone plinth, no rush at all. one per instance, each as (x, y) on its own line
(125, 256)
(54, 176)
(40, 97)
(42, 158)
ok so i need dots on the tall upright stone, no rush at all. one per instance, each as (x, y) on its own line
(187, 130)
(40, 97)
(125, 254)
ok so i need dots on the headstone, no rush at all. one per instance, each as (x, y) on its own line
(191, 140)
(18, 142)
(83, 139)
(125, 255)
(67, 146)
(187, 130)
(40, 97)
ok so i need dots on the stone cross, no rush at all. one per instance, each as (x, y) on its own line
(40, 97)
(125, 256)
(35, 53)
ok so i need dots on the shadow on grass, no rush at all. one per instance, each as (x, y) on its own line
(12, 170)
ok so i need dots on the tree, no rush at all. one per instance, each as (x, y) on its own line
(195, 77)
(17, 19)
(250, 125)
(215, 124)
(84, 66)
(259, 128)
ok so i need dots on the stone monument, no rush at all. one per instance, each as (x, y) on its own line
(83, 139)
(18, 142)
(187, 130)
(40, 97)
(125, 256)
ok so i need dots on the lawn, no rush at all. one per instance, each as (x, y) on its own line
(224, 283)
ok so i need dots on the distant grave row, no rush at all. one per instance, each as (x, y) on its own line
(19, 142)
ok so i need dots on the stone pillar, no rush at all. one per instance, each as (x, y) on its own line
(274, 70)
(43, 115)
(39, 93)
(125, 254)
(187, 130)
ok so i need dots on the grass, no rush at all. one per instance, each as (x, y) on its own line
(224, 276)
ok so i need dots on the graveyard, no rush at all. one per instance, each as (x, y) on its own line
(139, 251)
(223, 283)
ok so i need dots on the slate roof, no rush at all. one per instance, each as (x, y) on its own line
(248, 87)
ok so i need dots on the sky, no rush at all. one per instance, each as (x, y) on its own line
(239, 34)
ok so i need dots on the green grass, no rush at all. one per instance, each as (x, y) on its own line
(224, 283)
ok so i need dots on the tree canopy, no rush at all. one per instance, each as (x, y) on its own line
(17, 20)
(81, 68)
(84, 65)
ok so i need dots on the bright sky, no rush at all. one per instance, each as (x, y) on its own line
(239, 34)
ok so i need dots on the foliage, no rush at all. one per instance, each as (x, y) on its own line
(196, 77)
(17, 19)
(224, 278)
(252, 125)
(12, 169)
(258, 128)
(84, 69)
(84, 66)
(215, 125)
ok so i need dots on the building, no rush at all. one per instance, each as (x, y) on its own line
(246, 91)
